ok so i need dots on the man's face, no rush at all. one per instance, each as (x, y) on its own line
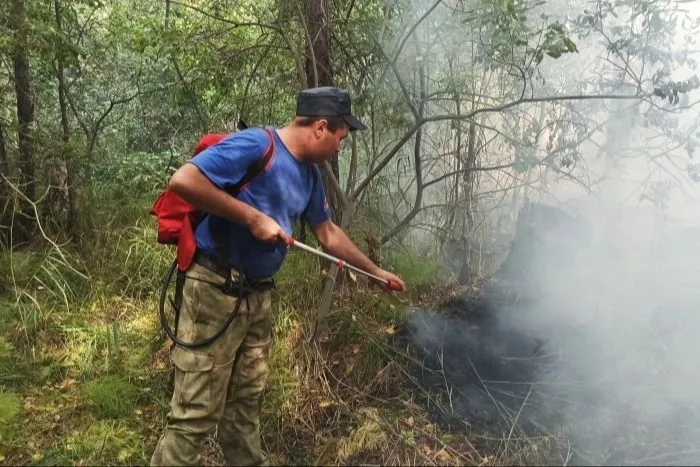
(326, 143)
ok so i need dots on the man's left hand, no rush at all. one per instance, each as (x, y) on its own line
(393, 278)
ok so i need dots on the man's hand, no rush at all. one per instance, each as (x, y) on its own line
(393, 278)
(265, 229)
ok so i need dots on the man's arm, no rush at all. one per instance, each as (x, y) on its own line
(336, 242)
(195, 188)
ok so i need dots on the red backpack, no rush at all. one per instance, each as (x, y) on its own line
(178, 219)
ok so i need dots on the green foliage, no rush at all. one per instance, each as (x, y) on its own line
(39, 284)
(113, 333)
(556, 42)
(124, 175)
(134, 262)
(283, 384)
(9, 406)
(93, 349)
(111, 396)
(513, 36)
(104, 442)
(367, 435)
(417, 269)
(670, 90)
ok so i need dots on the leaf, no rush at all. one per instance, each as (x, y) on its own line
(570, 45)
(554, 52)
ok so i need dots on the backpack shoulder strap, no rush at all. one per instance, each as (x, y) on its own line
(217, 224)
(258, 168)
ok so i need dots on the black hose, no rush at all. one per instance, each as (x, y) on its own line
(169, 330)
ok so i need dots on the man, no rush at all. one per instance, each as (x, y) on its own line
(221, 384)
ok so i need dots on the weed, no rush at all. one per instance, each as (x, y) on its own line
(111, 396)
(133, 263)
(9, 408)
(367, 436)
(105, 442)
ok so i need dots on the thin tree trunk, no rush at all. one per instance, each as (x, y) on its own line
(61, 200)
(5, 207)
(319, 72)
(4, 162)
(25, 119)
(417, 163)
(468, 189)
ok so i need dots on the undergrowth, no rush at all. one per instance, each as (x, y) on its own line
(111, 396)
(85, 371)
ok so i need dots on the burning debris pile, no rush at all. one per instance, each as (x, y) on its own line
(544, 349)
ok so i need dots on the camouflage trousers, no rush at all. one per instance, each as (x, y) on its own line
(219, 386)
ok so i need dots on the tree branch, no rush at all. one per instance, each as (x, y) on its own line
(437, 118)
(226, 20)
(467, 170)
(417, 162)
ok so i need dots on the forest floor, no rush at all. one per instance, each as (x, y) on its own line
(85, 377)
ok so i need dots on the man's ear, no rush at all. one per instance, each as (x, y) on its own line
(318, 126)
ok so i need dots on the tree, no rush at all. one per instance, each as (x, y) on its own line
(25, 117)
(319, 72)
(60, 205)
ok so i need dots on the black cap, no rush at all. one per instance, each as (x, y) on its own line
(328, 102)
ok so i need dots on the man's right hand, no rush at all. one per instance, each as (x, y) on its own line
(265, 229)
(191, 184)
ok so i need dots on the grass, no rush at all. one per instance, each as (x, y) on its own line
(418, 270)
(113, 442)
(81, 331)
(9, 407)
(111, 396)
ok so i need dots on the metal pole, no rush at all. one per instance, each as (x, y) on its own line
(342, 264)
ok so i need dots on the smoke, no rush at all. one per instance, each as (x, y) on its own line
(590, 327)
(592, 336)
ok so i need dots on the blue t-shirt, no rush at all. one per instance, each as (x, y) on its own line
(287, 190)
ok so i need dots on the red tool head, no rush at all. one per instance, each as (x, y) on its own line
(393, 285)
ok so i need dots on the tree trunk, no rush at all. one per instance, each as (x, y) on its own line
(4, 162)
(468, 220)
(320, 73)
(5, 207)
(60, 205)
(25, 119)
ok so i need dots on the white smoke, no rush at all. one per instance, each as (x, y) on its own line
(621, 314)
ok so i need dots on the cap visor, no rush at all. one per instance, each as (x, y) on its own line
(354, 123)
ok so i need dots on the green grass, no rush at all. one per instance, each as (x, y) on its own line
(111, 396)
(132, 263)
(106, 442)
(9, 406)
(9, 409)
(418, 270)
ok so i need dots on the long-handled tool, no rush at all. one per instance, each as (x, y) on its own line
(388, 283)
